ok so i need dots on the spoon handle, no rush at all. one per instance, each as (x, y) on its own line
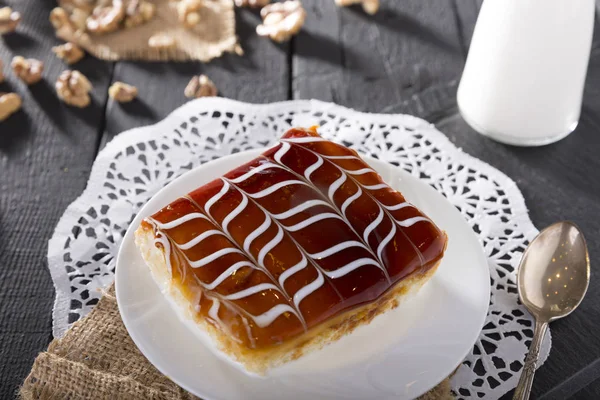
(524, 387)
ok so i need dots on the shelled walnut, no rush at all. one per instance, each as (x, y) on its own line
(370, 6)
(105, 19)
(10, 103)
(281, 20)
(138, 12)
(252, 3)
(28, 70)
(122, 92)
(189, 12)
(9, 20)
(73, 88)
(161, 41)
(68, 52)
(200, 86)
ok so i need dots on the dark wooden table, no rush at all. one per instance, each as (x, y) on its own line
(406, 59)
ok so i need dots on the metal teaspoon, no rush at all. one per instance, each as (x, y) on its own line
(553, 277)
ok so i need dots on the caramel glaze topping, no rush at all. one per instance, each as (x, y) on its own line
(293, 238)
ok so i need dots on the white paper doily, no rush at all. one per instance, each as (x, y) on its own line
(137, 163)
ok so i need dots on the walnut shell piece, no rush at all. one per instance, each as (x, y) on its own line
(106, 19)
(161, 41)
(189, 12)
(28, 70)
(281, 20)
(200, 86)
(74, 88)
(139, 12)
(9, 20)
(69, 52)
(122, 92)
(370, 6)
(252, 3)
(10, 103)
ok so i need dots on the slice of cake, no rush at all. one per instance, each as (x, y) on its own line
(290, 251)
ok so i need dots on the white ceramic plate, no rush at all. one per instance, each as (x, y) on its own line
(401, 354)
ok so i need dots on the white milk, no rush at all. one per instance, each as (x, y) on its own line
(524, 76)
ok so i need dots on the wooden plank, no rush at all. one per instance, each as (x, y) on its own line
(260, 76)
(466, 13)
(45, 155)
(375, 63)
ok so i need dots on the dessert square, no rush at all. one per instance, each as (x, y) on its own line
(290, 251)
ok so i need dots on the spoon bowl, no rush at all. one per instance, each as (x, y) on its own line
(555, 272)
(553, 278)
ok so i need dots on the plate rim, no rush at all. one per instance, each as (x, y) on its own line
(255, 152)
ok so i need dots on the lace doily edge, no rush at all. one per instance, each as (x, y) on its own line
(63, 226)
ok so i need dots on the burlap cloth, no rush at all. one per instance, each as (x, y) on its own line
(214, 35)
(96, 359)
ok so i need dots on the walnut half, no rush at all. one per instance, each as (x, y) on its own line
(73, 88)
(370, 6)
(10, 103)
(281, 20)
(122, 92)
(200, 86)
(106, 19)
(69, 52)
(9, 20)
(28, 70)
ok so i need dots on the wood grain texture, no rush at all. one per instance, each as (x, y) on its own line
(407, 58)
(46, 151)
(376, 63)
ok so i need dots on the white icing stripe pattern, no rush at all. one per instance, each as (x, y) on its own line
(299, 208)
(308, 172)
(274, 188)
(256, 233)
(254, 171)
(199, 238)
(251, 290)
(227, 273)
(308, 289)
(398, 206)
(176, 222)
(270, 315)
(216, 197)
(373, 225)
(361, 171)
(212, 257)
(336, 249)
(331, 192)
(346, 269)
(312, 220)
(291, 271)
(237, 211)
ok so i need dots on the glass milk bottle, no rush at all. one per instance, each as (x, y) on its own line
(524, 76)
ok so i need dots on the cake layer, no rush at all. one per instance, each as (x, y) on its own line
(290, 241)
